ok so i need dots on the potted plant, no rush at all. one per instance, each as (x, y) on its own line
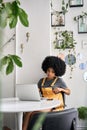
(82, 118)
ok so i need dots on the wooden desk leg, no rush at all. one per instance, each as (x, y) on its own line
(20, 119)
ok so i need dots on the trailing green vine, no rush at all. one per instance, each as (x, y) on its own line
(64, 7)
(67, 42)
(64, 40)
(84, 14)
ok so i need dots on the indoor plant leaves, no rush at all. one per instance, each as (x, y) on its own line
(10, 67)
(3, 61)
(13, 21)
(82, 112)
(10, 11)
(23, 17)
(3, 18)
(9, 61)
(17, 60)
(1, 1)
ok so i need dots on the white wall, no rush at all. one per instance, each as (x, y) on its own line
(77, 85)
(34, 51)
(7, 88)
(39, 46)
(39, 42)
(8, 82)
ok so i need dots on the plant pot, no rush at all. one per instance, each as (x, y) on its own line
(81, 124)
(82, 118)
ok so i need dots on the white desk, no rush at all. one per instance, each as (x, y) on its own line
(13, 105)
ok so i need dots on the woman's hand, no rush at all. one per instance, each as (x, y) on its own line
(57, 90)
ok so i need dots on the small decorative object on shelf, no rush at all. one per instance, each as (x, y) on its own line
(82, 22)
(75, 3)
(57, 19)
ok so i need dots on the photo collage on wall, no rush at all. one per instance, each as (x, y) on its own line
(60, 37)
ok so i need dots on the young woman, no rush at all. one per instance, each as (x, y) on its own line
(51, 86)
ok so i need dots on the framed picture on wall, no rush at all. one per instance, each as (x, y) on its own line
(59, 43)
(76, 3)
(62, 42)
(82, 25)
(57, 19)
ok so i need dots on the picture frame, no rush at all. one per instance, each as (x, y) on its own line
(57, 19)
(59, 43)
(76, 3)
(82, 25)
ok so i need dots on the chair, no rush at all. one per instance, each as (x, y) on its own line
(61, 120)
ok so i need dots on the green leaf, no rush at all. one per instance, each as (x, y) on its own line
(75, 19)
(63, 8)
(3, 61)
(1, 1)
(10, 67)
(17, 60)
(23, 17)
(8, 7)
(15, 8)
(3, 18)
(39, 121)
(15, 56)
(67, 5)
(18, 2)
(63, 2)
(13, 21)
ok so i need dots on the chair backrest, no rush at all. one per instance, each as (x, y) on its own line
(63, 95)
(61, 120)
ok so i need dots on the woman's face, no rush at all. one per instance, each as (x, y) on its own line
(50, 73)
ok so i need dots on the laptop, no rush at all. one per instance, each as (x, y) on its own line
(28, 92)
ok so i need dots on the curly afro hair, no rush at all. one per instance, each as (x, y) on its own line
(56, 63)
